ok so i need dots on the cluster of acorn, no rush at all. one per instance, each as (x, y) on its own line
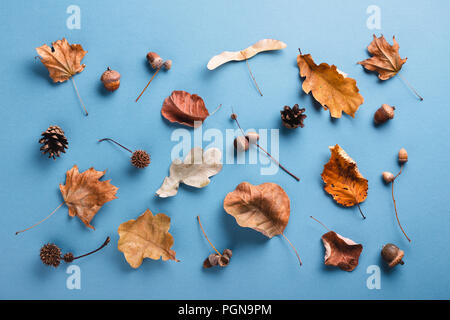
(216, 259)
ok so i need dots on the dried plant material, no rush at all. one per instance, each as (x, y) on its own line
(139, 159)
(156, 62)
(146, 237)
(264, 208)
(385, 60)
(329, 87)
(194, 171)
(340, 251)
(343, 180)
(215, 259)
(63, 61)
(184, 108)
(84, 194)
(260, 46)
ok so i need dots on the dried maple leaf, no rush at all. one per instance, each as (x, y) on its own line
(146, 237)
(84, 194)
(329, 86)
(194, 171)
(385, 58)
(343, 180)
(184, 108)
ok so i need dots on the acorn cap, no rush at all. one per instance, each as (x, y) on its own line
(392, 255)
(383, 114)
(252, 137)
(241, 143)
(387, 177)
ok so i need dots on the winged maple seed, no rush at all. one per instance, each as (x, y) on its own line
(264, 208)
(385, 60)
(330, 87)
(84, 195)
(343, 180)
(146, 237)
(63, 61)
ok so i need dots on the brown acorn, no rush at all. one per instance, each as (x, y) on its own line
(155, 60)
(110, 79)
(383, 114)
(241, 143)
(139, 158)
(392, 255)
(388, 177)
(252, 137)
(215, 259)
(402, 156)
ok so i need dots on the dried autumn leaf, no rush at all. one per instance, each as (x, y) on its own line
(194, 171)
(184, 108)
(84, 194)
(385, 58)
(341, 252)
(146, 237)
(260, 46)
(329, 86)
(343, 180)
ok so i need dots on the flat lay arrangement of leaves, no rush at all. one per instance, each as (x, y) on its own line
(265, 208)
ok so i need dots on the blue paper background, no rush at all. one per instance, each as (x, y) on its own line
(119, 34)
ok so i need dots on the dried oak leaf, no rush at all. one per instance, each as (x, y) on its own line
(184, 108)
(385, 58)
(264, 208)
(84, 194)
(341, 252)
(63, 60)
(343, 180)
(329, 86)
(194, 171)
(260, 46)
(146, 237)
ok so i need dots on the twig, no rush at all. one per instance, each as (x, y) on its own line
(78, 94)
(201, 227)
(148, 84)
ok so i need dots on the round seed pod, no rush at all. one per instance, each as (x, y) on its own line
(155, 60)
(50, 255)
(140, 159)
(402, 156)
(110, 79)
(387, 177)
(167, 64)
(233, 116)
(383, 114)
(252, 137)
(392, 255)
(68, 257)
(241, 143)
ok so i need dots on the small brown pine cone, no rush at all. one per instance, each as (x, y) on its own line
(53, 142)
(68, 257)
(140, 159)
(293, 118)
(50, 254)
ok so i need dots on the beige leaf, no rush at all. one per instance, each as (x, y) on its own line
(260, 46)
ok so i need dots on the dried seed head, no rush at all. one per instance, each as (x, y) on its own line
(155, 60)
(167, 64)
(402, 156)
(140, 159)
(224, 260)
(234, 116)
(392, 255)
(241, 143)
(252, 137)
(211, 261)
(383, 114)
(68, 257)
(50, 255)
(227, 252)
(388, 177)
(110, 79)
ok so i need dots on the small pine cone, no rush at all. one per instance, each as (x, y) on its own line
(68, 257)
(50, 255)
(293, 118)
(53, 142)
(140, 159)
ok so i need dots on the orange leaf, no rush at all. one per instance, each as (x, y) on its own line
(385, 58)
(62, 60)
(330, 87)
(184, 108)
(343, 180)
(84, 194)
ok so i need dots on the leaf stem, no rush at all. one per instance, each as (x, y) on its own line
(295, 250)
(320, 223)
(34, 225)
(204, 233)
(148, 84)
(217, 109)
(109, 139)
(411, 87)
(78, 94)
(99, 248)
(360, 211)
(395, 205)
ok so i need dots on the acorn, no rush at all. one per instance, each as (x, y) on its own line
(383, 114)
(241, 143)
(167, 64)
(252, 137)
(110, 79)
(402, 156)
(392, 255)
(388, 177)
(156, 62)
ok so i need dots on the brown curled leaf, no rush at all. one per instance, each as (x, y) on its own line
(341, 252)
(184, 108)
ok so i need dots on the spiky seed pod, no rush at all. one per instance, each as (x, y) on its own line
(293, 118)
(68, 257)
(392, 255)
(167, 64)
(383, 114)
(388, 177)
(140, 159)
(402, 156)
(50, 255)
(110, 79)
(53, 142)
(241, 143)
(155, 60)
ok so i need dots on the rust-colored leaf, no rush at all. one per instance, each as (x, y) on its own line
(385, 58)
(343, 180)
(146, 237)
(84, 194)
(184, 108)
(329, 86)
(63, 60)
(341, 252)
(264, 208)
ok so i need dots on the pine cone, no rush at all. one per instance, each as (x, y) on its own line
(293, 118)
(53, 142)
(50, 255)
(140, 159)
